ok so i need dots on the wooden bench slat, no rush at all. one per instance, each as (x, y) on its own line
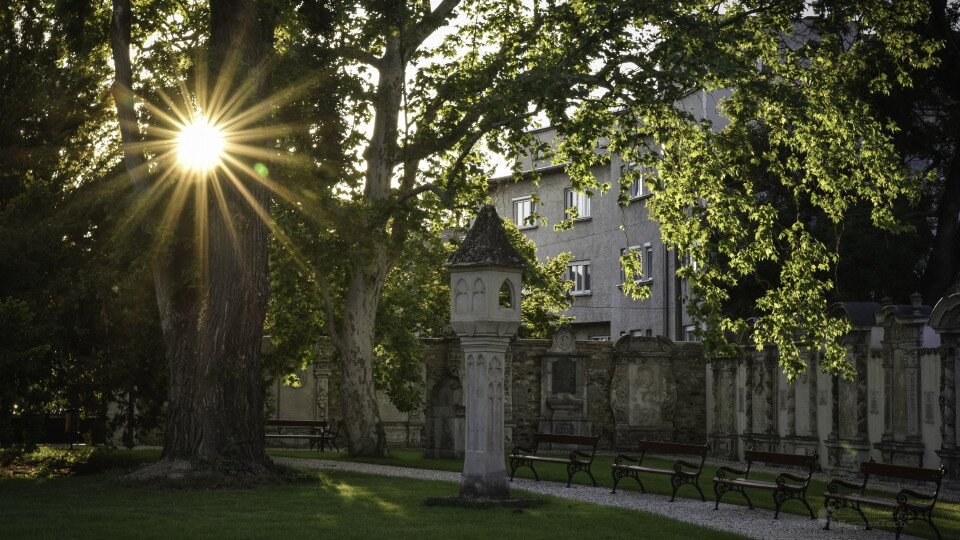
(651, 470)
(901, 471)
(780, 459)
(559, 438)
(672, 448)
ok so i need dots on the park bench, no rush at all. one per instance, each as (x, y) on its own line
(683, 472)
(317, 432)
(578, 460)
(907, 505)
(786, 486)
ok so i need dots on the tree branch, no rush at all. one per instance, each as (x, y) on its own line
(414, 35)
(328, 307)
(121, 90)
(357, 55)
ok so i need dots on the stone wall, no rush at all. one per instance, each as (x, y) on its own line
(639, 387)
(897, 408)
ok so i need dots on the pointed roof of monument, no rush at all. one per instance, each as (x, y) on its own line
(486, 244)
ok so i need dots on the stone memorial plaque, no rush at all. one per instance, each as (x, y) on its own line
(782, 397)
(564, 376)
(645, 394)
(928, 407)
(874, 402)
(823, 397)
(741, 406)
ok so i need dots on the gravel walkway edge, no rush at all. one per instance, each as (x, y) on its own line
(730, 518)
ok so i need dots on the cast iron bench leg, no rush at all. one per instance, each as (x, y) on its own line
(803, 499)
(696, 484)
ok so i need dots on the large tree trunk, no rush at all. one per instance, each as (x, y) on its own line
(944, 264)
(356, 339)
(212, 316)
(358, 399)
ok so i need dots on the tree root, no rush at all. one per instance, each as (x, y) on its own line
(179, 473)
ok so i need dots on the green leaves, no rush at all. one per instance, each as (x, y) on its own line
(763, 140)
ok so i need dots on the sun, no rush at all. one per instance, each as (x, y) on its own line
(200, 145)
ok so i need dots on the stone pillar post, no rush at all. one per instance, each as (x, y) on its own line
(485, 283)
(887, 364)
(792, 408)
(861, 355)
(484, 475)
(945, 320)
(948, 392)
(903, 325)
(812, 369)
(748, 394)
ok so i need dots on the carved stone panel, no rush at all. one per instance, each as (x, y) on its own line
(564, 376)
(645, 394)
(848, 409)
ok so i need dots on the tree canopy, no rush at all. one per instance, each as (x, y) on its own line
(369, 128)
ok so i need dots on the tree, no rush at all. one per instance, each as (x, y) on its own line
(927, 114)
(425, 92)
(210, 282)
(419, 97)
(77, 336)
(791, 72)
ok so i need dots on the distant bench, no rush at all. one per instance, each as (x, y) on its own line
(578, 460)
(786, 486)
(683, 472)
(317, 432)
(907, 505)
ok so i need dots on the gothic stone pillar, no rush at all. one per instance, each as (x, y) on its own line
(486, 285)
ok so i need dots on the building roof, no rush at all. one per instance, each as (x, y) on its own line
(486, 244)
(860, 314)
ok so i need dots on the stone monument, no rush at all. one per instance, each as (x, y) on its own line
(485, 285)
(945, 320)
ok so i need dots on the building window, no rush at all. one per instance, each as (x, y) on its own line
(579, 274)
(599, 338)
(647, 262)
(643, 176)
(646, 255)
(523, 209)
(577, 201)
(690, 333)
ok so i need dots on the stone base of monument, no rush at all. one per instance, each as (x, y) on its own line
(470, 502)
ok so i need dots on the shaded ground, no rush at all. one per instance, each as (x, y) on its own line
(946, 515)
(325, 505)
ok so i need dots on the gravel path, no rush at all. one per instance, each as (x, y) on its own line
(731, 518)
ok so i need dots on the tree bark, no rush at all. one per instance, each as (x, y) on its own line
(365, 434)
(212, 286)
(944, 264)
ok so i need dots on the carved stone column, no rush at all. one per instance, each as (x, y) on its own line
(902, 443)
(945, 320)
(813, 430)
(723, 439)
(948, 391)
(486, 285)
(792, 409)
(861, 353)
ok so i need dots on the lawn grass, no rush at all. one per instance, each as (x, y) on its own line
(946, 514)
(330, 505)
